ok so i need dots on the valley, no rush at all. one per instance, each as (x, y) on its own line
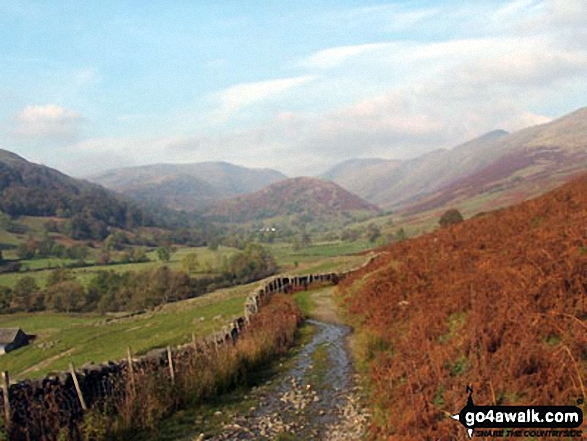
(288, 221)
(92, 274)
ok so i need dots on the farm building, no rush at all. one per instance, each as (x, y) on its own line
(11, 339)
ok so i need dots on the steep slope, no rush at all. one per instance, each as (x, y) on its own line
(360, 176)
(393, 183)
(498, 302)
(534, 160)
(298, 196)
(519, 165)
(187, 186)
(36, 190)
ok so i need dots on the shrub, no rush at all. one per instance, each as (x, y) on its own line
(450, 217)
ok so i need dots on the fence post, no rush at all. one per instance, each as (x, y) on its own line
(7, 410)
(170, 359)
(215, 341)
(77, 388)
(194, 343)
(131, 370)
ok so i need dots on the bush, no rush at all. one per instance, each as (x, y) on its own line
(450, 217)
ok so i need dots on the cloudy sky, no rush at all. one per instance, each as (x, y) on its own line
(297, 86)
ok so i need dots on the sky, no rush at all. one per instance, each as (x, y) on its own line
(295, 86)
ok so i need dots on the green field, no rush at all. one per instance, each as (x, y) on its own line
(82, 338)
(214, 258)
(321, 256)
(314, 254)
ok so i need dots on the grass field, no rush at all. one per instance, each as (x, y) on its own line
(317, 257)
(82, 338)
(314, 254)
(83, 275)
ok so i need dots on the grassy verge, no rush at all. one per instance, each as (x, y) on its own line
(210, 417)
(305, 302)
(271, 333)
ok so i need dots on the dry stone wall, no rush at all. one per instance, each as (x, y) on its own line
(60, 400)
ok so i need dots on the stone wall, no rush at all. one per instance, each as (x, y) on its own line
(55, 397)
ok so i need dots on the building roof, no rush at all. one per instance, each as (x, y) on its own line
(7, 335)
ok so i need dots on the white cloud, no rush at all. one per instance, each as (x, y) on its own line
(47, 122)
(335, 56)
(392, 98)
(242, 95)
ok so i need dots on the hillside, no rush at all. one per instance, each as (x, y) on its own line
(35, 190)
(502, 167)
(187, 186)
(360, 176)
(392, 183)
(535, 160)
(309, 197)
(498, 302)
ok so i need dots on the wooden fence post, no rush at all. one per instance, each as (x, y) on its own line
(77, 388)
(215, 341)
(170, 359)
(7, 410)
(194, 343)
(131, 370)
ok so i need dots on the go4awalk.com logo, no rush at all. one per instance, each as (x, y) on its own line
(520, 421)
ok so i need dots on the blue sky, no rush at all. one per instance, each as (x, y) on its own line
(297, 86)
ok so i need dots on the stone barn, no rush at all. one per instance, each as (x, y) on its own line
(11, 339)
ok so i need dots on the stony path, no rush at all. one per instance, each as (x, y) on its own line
(315, 399)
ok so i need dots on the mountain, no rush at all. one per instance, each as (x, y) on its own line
(532, 161)
(309, 197)
(394, 183)
(515, 165)
(187, 186)
(360, 175)
(36, 190)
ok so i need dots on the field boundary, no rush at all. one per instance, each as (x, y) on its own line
(33, 407)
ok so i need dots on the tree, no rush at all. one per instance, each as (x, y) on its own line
(5, 298)
(103, 257)
(349, 235)
(190, 263)
(66, 296)
(450, 217)
(26, 250)
(25, 293)
(400, 235)
(373, 232)
(115, 241)
(306, 240)
(59, 275)
(254, 263)
(164, 254)
(138, 254)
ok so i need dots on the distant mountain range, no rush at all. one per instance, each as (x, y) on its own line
(186, 187)
(499, 166)
(309, 198)
(528, 162)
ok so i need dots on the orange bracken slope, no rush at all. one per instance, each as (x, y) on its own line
(498, 302)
